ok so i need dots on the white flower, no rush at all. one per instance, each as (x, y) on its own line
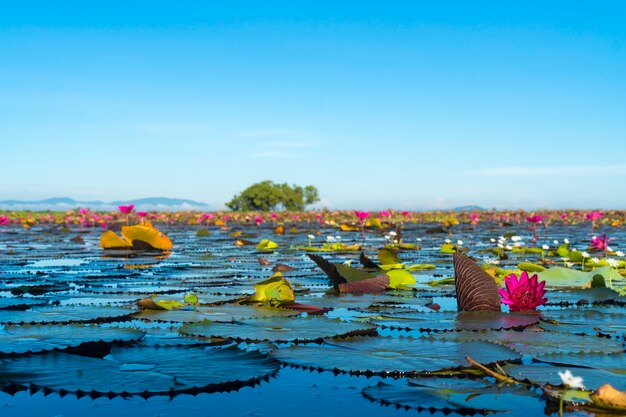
(508, 247)
(556, 242)
(500, 245)
(392, 233)
(448, 241)
(564, 259)
(459, 242)
(518, 244)
(608, 249)
(585, 255)
(566, 241)
(492, 261)
(545, 247)
(619, 253)
(330, 238)
(516, 238)
(570, 380)
(419, 239)
(492, 240)
(338, 238)
(311, 237)
(595, 260)
(612, 262)
(569, 264)
(347, 262)
(387, 237)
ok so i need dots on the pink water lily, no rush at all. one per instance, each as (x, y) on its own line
(126, 209)
(142, 214)
(594, 215)
(385, 213)
(534, 219)
(523, 293)
(4, 220)
(83, 211)
(600, 243)
(362, 215)
(258, 220)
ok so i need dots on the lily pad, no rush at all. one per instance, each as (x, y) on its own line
(541, 374)
(276, 329)
(541, 342)
(463, 396)
(146, 370)
(382, 355)
(66, 314)
(37, 338)
(451, 321)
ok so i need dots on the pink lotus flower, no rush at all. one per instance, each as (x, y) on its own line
(600, 243)
(362, 215)
(83, 211)
(564, 216)
(534, 218)
(273, 216)
(296, 218)
(207, 217)
(4, 220)
(258, 220)
(523, 293)
(594, 215)
(385, 213)
(142, 214)
(406, 213)
(126, 209)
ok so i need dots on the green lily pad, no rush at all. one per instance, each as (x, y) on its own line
(541, 373)
(565, 277)
(276, 329)
(146, 370)
(382, 355)
(464, 396)
(453, 321)
(540, 342)
(42, 337)
(66, 314)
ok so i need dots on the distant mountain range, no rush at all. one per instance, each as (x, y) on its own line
(468, 208)
(144, 204)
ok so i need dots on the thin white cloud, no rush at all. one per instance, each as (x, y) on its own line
(274, 134)
(272, 154)
(545, 171)
(174, 128)
(289, 144)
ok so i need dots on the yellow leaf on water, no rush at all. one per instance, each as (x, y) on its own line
(110, 240)
(273, 289)
(148, 235)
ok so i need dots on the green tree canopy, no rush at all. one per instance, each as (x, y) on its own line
(266, 195)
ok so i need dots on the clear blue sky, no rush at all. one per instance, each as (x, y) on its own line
(386, 104)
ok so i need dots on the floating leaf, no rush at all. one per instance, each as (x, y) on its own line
(65, 314)
(385, 354)
(145, 370)
(388, 256)
(451, 321)
(276, 329)
(275, 289)
(39, 337)
(400, 279)
(266, 244)
(461, 395)
(110, 240)
(530, 267)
